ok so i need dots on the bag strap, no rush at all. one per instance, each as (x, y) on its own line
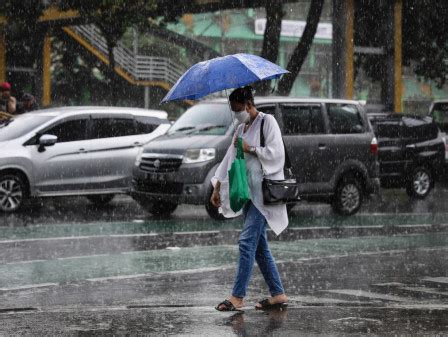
(287, 166)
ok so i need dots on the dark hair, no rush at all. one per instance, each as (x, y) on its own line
(242, 95)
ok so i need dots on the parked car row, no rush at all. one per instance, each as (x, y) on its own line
(331, 143)
(339, 153)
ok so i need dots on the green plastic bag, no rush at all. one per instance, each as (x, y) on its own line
(238, 187)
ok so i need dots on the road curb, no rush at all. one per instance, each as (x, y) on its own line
(12, 251)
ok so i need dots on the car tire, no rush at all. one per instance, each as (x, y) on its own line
(13, 193)
(349, 196)
(100, 199)
(420, 183)
(161, 209)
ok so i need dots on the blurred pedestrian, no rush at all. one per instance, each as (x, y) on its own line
(7, 102)
(253, 242)
(28, 103)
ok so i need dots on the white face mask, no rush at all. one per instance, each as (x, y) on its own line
(242, 116)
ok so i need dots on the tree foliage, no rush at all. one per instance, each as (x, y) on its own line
(425, 39)
(24, 38)
(113, 18)
(23, 32)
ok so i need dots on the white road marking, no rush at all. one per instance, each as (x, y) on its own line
(29, 286)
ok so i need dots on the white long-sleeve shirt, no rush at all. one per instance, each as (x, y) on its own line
(268, 162)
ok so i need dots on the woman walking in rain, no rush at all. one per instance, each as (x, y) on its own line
(267, 161)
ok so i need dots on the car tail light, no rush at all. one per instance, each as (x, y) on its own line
(374, 146)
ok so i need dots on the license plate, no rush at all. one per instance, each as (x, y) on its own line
(155, 176)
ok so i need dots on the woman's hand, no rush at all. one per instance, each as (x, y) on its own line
(215, 199)
(246, 148)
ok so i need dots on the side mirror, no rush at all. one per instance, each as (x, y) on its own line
(46, 140)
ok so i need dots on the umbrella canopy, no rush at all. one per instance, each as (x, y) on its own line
(232, 71)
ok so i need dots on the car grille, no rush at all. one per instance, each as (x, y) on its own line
(162, 187)
(160, 163)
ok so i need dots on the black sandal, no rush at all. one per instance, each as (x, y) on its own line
(265, 305)
(226, 305)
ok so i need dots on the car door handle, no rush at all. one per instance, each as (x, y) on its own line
(138, 144)
(82, 150)
(322, 146)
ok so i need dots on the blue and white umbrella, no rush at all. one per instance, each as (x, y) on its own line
(227, 72)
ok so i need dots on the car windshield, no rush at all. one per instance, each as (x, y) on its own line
(440, 115)
(21, 125)
(209, 119)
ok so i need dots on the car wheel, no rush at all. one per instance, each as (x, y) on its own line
(12, 193)
(161, 209)
(348, 197)
(419, 183)
(101, 199)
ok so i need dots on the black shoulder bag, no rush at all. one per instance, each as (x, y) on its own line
(277, 192)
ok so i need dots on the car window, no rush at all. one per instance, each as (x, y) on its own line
(344, 118)
(146, 125)
(440, 115)
(69, 131)
(419, 129)
(205, 118)
(302, 120)
(19, 126)
(388, 129)
(112, 127)
(267, 109)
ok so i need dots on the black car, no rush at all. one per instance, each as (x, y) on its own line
(411, 152)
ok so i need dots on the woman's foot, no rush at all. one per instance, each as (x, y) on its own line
(272, 301)
(236, 302)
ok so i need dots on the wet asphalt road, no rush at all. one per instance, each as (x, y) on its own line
(69, 267)
(384, 285)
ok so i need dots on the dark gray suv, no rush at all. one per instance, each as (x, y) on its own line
(331, 144)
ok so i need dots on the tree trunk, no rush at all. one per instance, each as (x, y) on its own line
(113, 93)
(301, 51)
(271, 39)
(37, 48)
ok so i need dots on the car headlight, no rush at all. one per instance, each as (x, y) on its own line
(198, 155)
(138, 160)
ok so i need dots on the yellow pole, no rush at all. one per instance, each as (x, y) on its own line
(398, 52)
(46, 99)
(350, 49)
(2, 57)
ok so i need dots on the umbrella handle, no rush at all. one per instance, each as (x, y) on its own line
(230, 109)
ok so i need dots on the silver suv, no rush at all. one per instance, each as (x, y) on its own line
(73, 151)
(333, 151)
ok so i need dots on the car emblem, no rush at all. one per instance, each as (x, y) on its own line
(157, 163)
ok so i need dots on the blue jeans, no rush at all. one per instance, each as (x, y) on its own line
(253, 245)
